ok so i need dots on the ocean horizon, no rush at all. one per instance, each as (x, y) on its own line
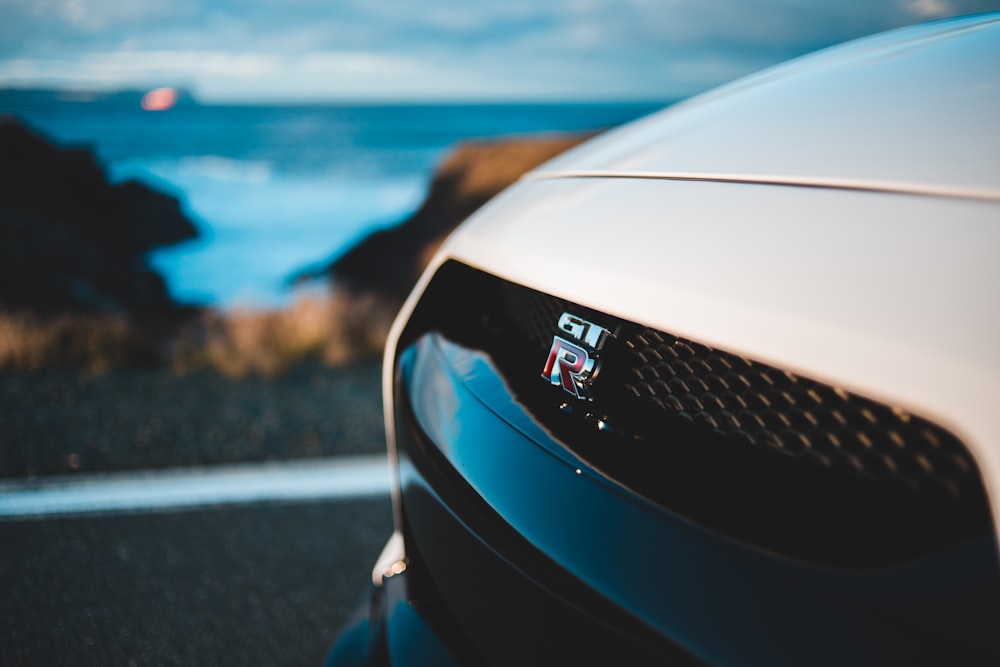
(275, 189)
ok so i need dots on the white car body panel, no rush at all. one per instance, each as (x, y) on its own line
(915, 107)
(891, 292)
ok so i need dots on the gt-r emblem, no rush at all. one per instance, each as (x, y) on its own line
(573, 364)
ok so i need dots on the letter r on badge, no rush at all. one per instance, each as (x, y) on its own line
(568, 365)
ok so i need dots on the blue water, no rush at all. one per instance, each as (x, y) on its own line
(276, 189)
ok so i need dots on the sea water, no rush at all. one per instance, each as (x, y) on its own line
(277, 189)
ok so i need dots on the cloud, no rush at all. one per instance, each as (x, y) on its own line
(137, 67)
(209, 69)
(930, 8)
(434, 48)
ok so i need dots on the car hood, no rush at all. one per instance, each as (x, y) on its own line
(917, 106)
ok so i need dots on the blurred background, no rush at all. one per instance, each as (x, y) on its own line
(289, 132)
(209, 214)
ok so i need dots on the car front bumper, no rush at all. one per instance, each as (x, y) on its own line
(517, 552)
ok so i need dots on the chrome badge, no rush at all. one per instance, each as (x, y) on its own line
(573, 358)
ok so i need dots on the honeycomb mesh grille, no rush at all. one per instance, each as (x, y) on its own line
(795, 416)
(760, 405)
(534, 314)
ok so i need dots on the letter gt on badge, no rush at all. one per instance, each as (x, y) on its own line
(574, 364)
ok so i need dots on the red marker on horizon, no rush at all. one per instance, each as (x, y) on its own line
(160, 99)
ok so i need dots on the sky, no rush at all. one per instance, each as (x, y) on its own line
(428, 50)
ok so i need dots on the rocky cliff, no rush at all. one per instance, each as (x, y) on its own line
(388, 262)
(71, 241)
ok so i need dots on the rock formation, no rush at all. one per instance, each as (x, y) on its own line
(388, 262)
(70, 241)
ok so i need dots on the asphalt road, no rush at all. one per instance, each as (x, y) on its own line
(265, 584)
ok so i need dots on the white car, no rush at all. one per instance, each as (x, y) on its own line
(719, 387)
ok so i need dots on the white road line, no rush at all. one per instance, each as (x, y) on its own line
(158, 490)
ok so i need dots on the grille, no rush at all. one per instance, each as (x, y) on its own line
(807, 420)
(759, 405)
(761, 455)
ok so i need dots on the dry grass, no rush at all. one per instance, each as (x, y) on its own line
(334, 329)
(91, 342)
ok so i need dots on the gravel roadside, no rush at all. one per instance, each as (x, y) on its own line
(59, 423)
(247, 585)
